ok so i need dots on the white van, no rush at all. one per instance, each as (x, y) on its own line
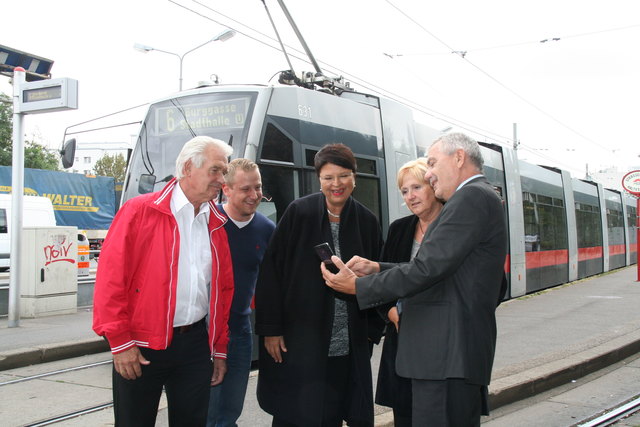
(37, 211)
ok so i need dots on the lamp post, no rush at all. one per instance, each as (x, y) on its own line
(223, 36)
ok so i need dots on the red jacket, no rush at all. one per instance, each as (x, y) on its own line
(135, 292)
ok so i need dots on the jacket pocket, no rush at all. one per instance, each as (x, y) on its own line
(423, 340)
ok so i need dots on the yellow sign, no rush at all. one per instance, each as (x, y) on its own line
(71, 202)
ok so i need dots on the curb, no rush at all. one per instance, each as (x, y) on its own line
(513, 388)
(50, 352)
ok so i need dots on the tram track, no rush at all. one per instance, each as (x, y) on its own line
(57, 372)
(611, 417)
(67, 416)
(57, 393)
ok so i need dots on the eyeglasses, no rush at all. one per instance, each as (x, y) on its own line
(341, 178)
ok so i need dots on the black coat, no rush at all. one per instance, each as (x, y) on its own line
(392, 390)
(292, 300)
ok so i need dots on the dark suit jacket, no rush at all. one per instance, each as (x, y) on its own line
(451, 289)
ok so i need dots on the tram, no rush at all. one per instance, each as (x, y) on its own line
(561, 228)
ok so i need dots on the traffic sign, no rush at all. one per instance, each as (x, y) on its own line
(631, 182)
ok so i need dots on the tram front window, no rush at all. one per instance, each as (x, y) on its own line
(170, 124)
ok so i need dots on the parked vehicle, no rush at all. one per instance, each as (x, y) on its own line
(37, 211)
(83, 201)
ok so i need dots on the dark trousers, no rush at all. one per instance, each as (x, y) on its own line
(184, 369)
(447, 403)
(335, 395)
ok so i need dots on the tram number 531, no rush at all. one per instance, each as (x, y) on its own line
(304, 111)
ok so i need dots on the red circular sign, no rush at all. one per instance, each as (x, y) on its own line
(631, 182)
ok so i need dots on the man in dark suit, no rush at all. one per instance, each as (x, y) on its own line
(449, 291)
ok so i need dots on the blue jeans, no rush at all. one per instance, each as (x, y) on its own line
(227, 399)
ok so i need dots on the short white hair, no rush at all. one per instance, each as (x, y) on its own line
(194, 150)
(451, 142)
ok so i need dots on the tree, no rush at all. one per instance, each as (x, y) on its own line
(111, 165)
(36, 156)
(6, 129)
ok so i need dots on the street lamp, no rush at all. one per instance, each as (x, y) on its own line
(223, 36)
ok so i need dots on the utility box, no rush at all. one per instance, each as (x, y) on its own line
(49, 270)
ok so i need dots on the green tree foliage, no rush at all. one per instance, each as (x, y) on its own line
(36, 156)
(6, 113)
(111, 165)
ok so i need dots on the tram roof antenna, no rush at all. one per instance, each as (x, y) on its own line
(332, 85)
(299, 35)
(279, 39)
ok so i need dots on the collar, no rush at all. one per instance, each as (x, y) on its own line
(162, 201)
(179, 201)
(471, 178)
(239, 224)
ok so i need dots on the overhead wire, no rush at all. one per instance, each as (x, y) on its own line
(364, 83)
(498, 82)
(517, 44)
(488, 135)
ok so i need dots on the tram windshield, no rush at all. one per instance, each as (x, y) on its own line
(171, 123)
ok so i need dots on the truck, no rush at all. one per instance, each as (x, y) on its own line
(85, 201)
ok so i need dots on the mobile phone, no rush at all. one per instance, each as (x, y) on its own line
(324, 253)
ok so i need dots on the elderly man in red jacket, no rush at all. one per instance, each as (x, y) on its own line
(164, 267)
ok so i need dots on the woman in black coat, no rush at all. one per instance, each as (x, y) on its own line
(403, 240)
(314, 353)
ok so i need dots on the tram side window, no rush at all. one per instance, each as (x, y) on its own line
(615, 225)
(278, 181)
(589, 225)
(545, 223)
(553, 224)
(632, 223)
(278, 190)
(531, 231)
(277, 146)
(3, 221)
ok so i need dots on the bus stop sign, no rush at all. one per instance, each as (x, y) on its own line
(45, 96)
(631, 182)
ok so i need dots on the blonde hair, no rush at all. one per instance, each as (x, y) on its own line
(238, 164)
(417, 168)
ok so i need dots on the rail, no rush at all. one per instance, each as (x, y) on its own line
(74, 414)
(614, 415)
(59, 371)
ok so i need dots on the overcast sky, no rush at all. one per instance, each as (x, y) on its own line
(476, 66)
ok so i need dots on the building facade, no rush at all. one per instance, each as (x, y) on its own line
(88, 153)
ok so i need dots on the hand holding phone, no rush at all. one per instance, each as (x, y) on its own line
(324, 253)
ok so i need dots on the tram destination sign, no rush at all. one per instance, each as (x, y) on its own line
(203, 116)
(631, 182)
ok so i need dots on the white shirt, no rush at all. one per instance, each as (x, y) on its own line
(241, 224)
(467, 180)
(194, 263)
